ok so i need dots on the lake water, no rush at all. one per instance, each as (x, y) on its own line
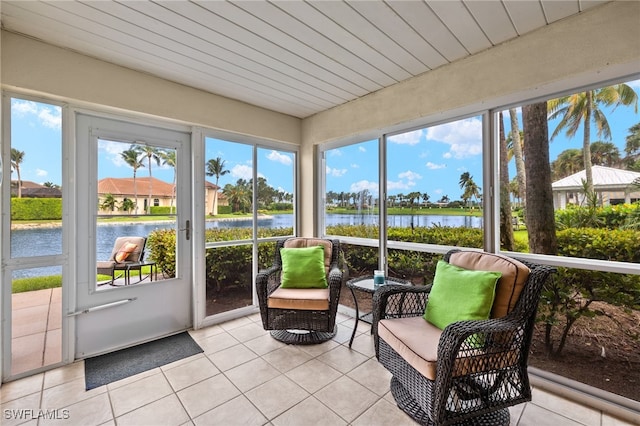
(48, 241)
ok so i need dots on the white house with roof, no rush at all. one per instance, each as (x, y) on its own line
(613, 186)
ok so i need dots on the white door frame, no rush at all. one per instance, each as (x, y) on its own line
(141, 312)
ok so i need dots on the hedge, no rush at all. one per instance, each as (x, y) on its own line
(36, 208)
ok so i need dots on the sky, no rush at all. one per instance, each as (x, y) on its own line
(427, 160)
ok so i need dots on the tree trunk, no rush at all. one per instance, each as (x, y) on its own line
(539, 213)
(518, 155)
(506, 228)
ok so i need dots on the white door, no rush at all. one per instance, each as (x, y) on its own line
(133, 181)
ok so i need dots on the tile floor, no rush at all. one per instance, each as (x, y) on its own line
(244, 377)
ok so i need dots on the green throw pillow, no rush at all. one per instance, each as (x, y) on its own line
(460, 294)
(303, 267)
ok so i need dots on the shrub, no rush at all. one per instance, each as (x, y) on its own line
(163, 210)
(36, 208)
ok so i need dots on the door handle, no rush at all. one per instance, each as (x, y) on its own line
(187, 228)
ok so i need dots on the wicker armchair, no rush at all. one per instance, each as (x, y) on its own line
(470, 372)
(300, 316)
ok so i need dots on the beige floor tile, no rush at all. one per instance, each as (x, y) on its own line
(343, 333)
(68, 393)
(21, 388)
(92, 411)
(139, 393)
(514, 413)
(251, 374)
(187, 374)
(363, 343)
(203, 333)
(208, 394)
(313, 375)
(373, 376)
(347, 398)
(264, 344)
(18, 411)
(382, 413)
(320, 348)
(30, 298)
(256, 318)
(532, 415)
(30, 320)
(276, 396)
(27, 353)
(309, 412)
(179, 362)
(287, 358)
(237, 412)
(217, 343)
(54, 319)
(53, 347)
(343, 359)
(238, 322)
(64, 374)
(56, 294)
(166, 411)
(247, 332)
(564, 407)
(232, 357)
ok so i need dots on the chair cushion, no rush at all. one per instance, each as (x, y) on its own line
(125, 251)
(303, 267)
(310, 242)
(309, 299)
(510, 285)
(416, 341)
(460, 294)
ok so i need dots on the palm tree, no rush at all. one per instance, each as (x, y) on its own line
(584, 108)
(215, 167)
(506, 228)
(169, 159)
(152, 154)
(109, 203)
(238, 195)
(17, 157)
(567, 163)
(127, 205)
(605, 154)
(516, 143)
(632, 148)
(539, 218)
(132, 157)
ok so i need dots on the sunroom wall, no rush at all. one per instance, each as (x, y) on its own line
(591, 47)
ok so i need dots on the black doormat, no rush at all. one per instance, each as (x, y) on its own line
(107, 368)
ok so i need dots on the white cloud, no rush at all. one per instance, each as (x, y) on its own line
(409, 175)
(335, 153)
(438, 191)
(48, 116)
(362, 149)
(355, 166)
(433, 166)
(399, 185)
(464, 137)
(364, 184)
(280, 158)
(41, 173)
(242, 171)
(409, 138)
(336, 172)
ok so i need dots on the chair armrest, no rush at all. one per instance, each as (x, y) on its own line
(267, 280)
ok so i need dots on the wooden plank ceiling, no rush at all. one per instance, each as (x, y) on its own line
(295, 57)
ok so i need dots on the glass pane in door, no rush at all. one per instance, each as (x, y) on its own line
(136, 214)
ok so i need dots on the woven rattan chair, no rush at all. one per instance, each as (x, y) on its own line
(470, 372)
(300, 316)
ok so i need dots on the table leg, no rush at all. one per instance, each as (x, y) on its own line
(355, 326)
